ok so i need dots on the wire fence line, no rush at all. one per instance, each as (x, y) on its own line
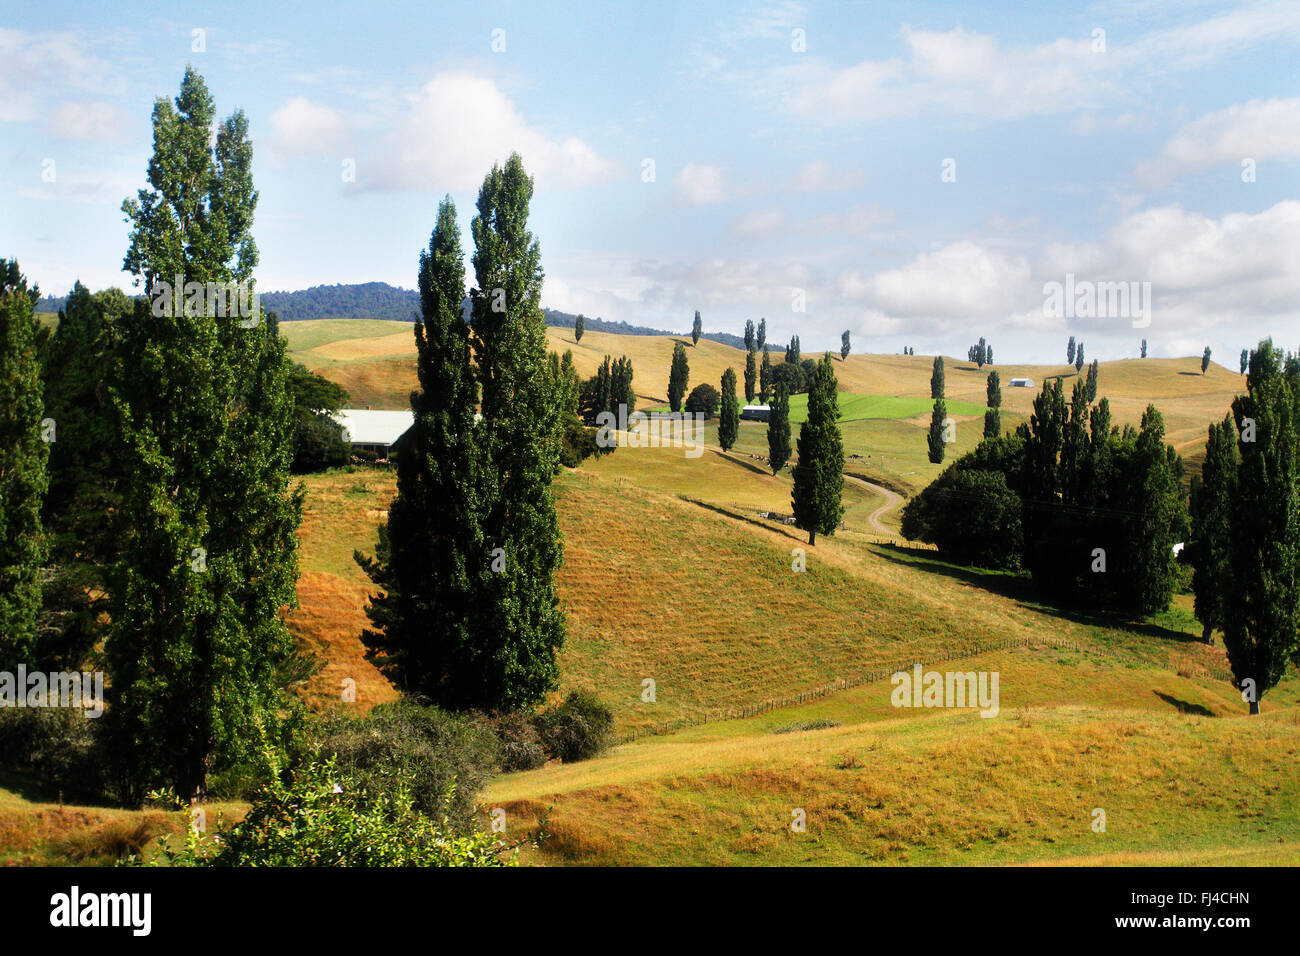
(883, 671)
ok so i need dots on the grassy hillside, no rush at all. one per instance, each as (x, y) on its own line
(885, 411)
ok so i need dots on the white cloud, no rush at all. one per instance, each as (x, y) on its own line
(458, 125)
(37, 64)
(818, 176)
(701, 185)
(88, 123)
(967, 73)
(946, 288)
(1259, 129)
(1236, 274)
(304, 128)
(83, 188)
(761, 224)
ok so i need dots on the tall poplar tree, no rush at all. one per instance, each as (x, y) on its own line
(23, 457)
(749, 335)
(1210, 543)
(778, 430)
(579, 326)
(198, 652)
(679, 376)
(765, 376)
(431, 561)
(520, 624)
(751, 377)
(819, 473)
(729, 411)
(993, 416)
(934, 439)
(696, 329)
(1261, 592)
(936, 378)
(760, 340)
(844, 344)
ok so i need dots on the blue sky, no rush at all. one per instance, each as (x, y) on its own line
(794, 147)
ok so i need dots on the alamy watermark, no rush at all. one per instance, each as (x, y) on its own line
(654, 430)
(1084, 299)
(59, 689)
(951, 689)
(228, 299)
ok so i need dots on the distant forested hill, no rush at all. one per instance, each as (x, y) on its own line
(379, 300)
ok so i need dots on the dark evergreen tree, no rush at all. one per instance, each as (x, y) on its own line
(751, 377)
(844, 344)
(430, 566)
(1261, 591)
(728, 411)
(765, 376)
(993, 390)
(1069, 351)
(992, 423)
(85, 470)
(579, 326)
(1144, 348)
(1205, 360)
(1093, 371)
(792, 352)
(934, 439)
(936, 378)
(24, 452)
(696, 329)
(620, 386)
(760, 340)
(778, 430)
(1210, 544)
(749, 335)
(1245, 360)
(1078, 357)
(819, 472)
(679, 376)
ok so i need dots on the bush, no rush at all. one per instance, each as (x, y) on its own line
(580, 728)
(326, 817)
(704, 399)
(58, 747)
(423, 750)
(520, 746)
(318, 443)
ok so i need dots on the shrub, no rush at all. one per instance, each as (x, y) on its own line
(521, 746)
(58, 747)
(578, 729)
(326, 817)
(423, 750)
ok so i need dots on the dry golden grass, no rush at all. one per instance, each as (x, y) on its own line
(952, 789)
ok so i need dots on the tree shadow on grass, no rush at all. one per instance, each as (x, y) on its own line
(765, 472)
(1019, 588)
(1185, 707)
(737, 516)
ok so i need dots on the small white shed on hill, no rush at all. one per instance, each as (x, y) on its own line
(373, 430)
(756, 413)
(1022, 383)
